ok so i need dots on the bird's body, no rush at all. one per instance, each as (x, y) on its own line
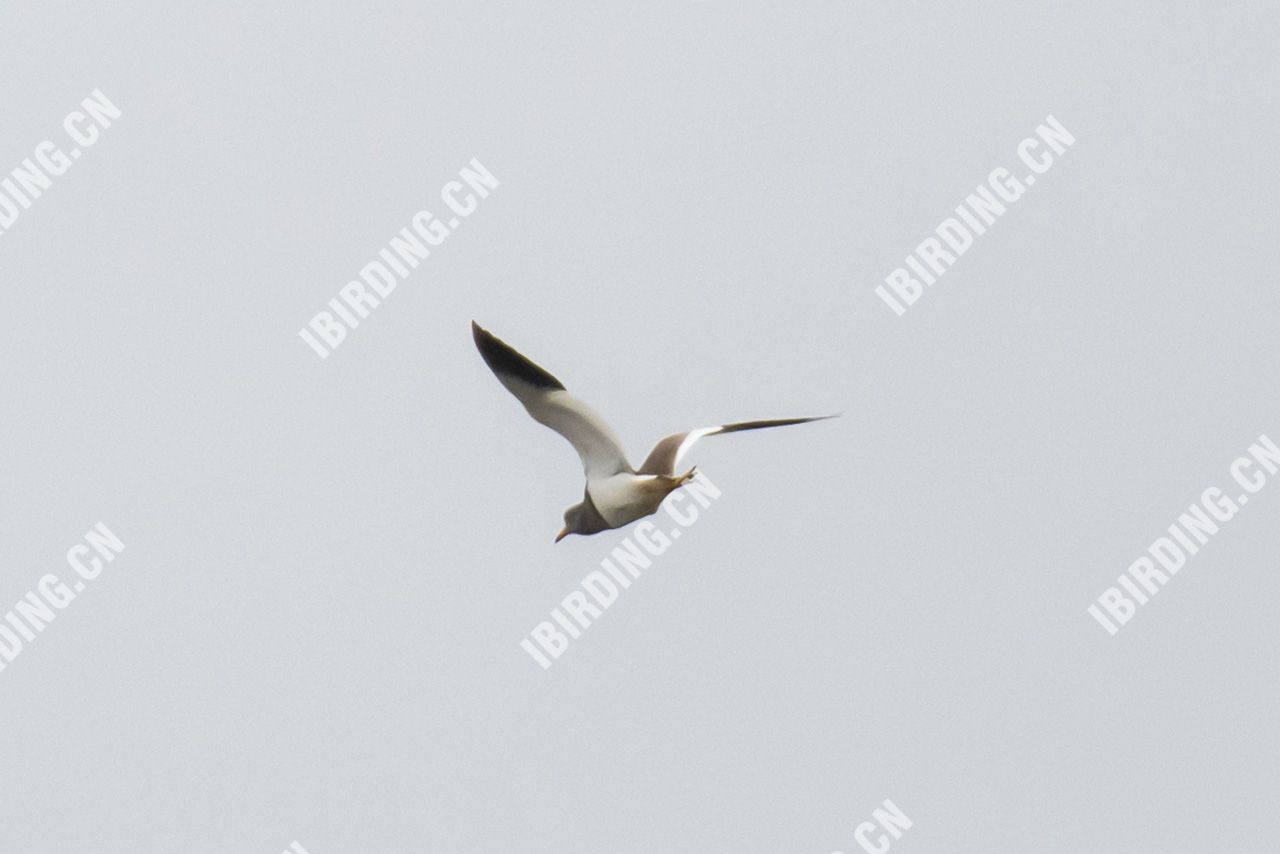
(625, 497)
(616, 494)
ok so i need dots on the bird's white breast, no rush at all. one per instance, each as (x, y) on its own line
(625, 497)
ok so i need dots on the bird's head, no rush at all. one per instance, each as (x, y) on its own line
(572, 522)
(582, 518)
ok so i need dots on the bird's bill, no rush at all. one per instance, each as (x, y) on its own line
(564, 532)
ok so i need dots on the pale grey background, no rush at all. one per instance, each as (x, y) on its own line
(313, 632)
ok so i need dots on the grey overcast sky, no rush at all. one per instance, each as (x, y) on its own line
(313, 632)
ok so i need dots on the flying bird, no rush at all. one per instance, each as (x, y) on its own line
(616, 494)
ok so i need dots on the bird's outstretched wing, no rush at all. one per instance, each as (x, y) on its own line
(666, 455)
(547, 401)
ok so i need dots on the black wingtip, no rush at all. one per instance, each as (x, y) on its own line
(773, 422)
(502, 358)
